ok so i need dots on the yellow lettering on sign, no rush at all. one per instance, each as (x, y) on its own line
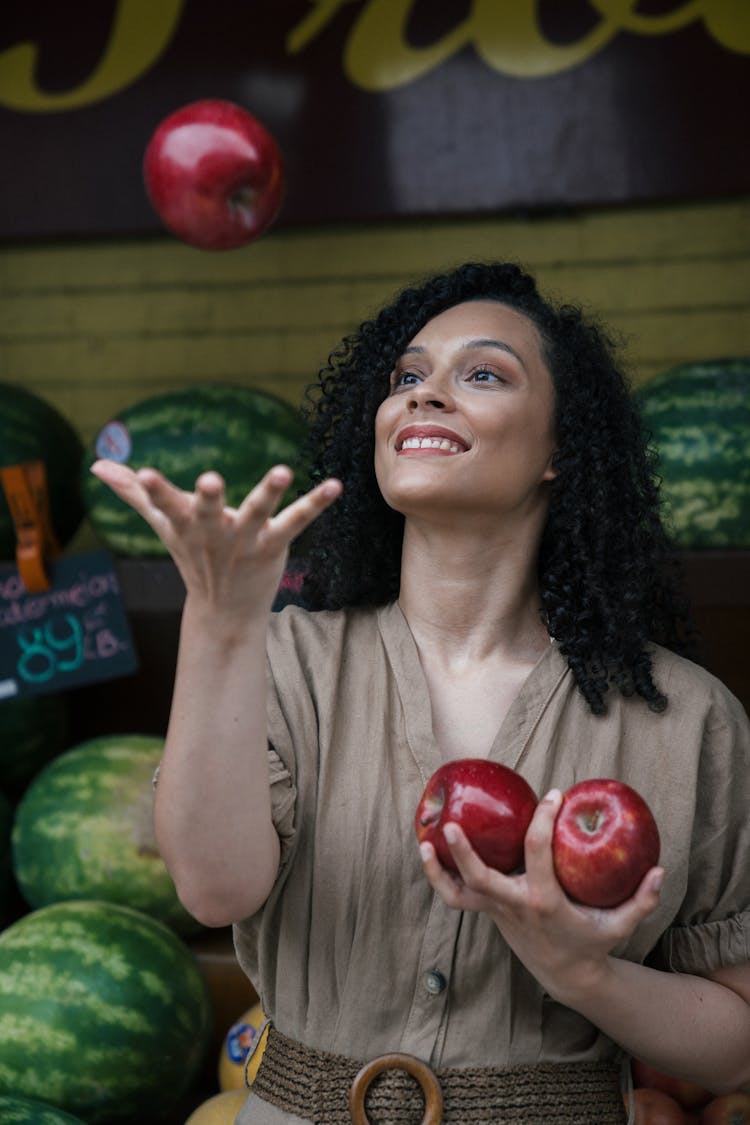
(507, 36)
(141, 31)
(377, 56)
(510, 40)
(727, 21)
(621, 12)
(322, 12)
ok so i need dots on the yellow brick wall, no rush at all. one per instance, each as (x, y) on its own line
(95, 326)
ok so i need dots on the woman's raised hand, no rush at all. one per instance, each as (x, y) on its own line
(564, 945)
(230, 559)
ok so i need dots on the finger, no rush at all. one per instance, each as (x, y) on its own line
(540, 868)
(210, 496)
(444, 882)
(298, 515)
(167, 500)
(472, 869)
(116, 476)
(631, 913)
(292, 521)
(263, 500)
(131, 487)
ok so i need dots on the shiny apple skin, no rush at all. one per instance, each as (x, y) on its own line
(490, 802)
(688, 1094)
(654, 1107)
(214, 175)
(604, 841)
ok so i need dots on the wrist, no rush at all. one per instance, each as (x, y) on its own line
(223, 628)
(577, 985)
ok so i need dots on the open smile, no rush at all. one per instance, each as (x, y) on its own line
(429, 439)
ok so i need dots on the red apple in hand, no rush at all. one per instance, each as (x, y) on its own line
(491, 803)
(605, 839)
(214, 175)
(654, 1107)
(729, 1109)
(688, 1094)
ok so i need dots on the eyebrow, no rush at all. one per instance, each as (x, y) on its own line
(470, 345)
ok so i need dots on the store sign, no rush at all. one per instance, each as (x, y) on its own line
(381, 107)
(72, 633)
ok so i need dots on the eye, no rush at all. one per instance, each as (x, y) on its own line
(484, 375)
(403, 379)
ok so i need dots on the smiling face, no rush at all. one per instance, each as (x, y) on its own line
(468, 424)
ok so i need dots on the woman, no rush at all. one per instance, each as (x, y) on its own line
(489, 572)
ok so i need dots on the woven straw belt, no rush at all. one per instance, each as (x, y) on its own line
(400, 1090)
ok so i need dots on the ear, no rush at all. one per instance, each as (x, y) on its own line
(550, 471)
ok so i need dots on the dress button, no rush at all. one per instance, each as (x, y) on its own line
(434, 982)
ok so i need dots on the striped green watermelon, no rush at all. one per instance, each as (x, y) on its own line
(105, 1012)
(33, 730)
(84, 829)
(6, 868)
(238, 431)
(31, 429)
(699, 418)
(29, 1111)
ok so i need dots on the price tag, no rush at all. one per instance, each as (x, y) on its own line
(74, 632)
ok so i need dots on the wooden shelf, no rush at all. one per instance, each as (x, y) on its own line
(717, 578)
(713, 578)
(718, 583)
(150, 585)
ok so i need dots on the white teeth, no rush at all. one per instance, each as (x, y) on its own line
(431, 443)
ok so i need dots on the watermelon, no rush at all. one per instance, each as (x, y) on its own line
(29, 1111)
(31, 429)
(84, 829)
(33, 730)
(105, 1012)
(239, 432)
(6, 869)
(699, 418)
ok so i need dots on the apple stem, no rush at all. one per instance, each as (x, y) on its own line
(433, 806)
(591, 822)
(243, 200)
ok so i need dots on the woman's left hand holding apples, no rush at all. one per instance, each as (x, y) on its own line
(564, 945)
(568, 948)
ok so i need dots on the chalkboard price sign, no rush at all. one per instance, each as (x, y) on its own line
(74, 633)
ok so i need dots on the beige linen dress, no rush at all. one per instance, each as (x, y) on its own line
(354, 954)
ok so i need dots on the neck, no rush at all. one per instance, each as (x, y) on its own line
(472, 598)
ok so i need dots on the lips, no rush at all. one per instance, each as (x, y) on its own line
(429, 439)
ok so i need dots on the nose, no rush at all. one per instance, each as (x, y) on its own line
(429, 394)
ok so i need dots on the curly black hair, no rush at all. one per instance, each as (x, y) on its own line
(609, 582)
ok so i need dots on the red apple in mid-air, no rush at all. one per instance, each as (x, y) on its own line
(491, 803)
(605, 839)
(214, 175)
(688, 1094)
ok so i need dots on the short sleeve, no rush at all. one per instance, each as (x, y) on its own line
(283, 800)
(301, 650)
(708, 946)
(712, 927)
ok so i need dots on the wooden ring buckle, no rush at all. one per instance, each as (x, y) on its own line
(433, 1097)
